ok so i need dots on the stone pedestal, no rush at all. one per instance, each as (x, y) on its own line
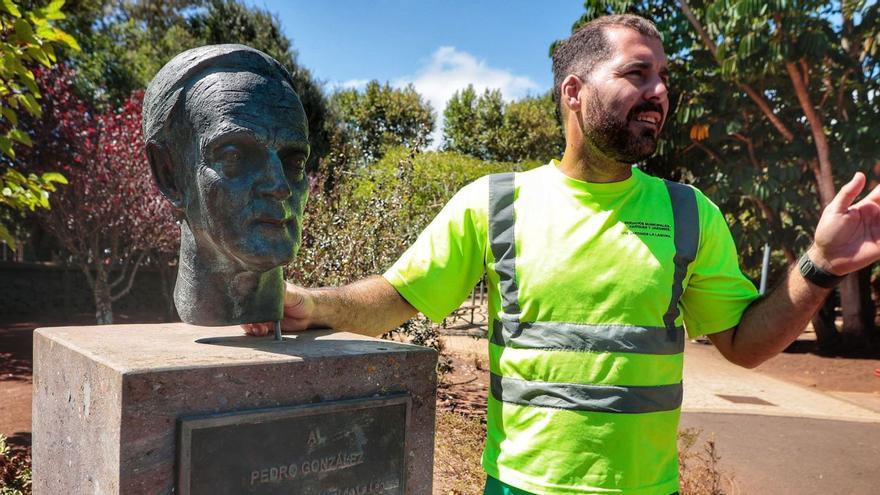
(110, 403)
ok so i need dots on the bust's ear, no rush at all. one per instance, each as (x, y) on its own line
(163, 167)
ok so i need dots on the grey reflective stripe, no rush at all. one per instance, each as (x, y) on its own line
(578, 397)
(687, 239)
(502, 240)
(582, 337)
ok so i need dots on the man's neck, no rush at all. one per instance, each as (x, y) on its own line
(212, 292)
(582, 161)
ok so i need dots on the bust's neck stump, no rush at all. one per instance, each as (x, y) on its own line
(210, 292)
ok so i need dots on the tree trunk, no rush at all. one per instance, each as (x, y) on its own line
(103, 300)
(856, 304)
(827, 336)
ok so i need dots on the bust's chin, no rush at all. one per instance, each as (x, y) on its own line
(213, 299)
(217, 286)
(265, 262)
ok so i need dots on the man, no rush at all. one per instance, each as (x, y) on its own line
(594, 268)
(227, 139)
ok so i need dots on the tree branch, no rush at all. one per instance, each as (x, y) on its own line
(750, 147)
(756, 97)
(806, 71)
(121, 277)
(824, 178)
(708, 151)
(774, 119)
(88, 273)
(125, 291)
(841, 90)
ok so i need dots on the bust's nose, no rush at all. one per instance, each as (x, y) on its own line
(274, 182)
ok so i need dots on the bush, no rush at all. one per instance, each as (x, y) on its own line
(356, 225)
(15, 471)
(698, 468)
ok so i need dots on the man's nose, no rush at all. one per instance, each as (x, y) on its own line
(274, 182)
(657, 89)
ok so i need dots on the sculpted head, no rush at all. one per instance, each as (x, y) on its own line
(227, 141)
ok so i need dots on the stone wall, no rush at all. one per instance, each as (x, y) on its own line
(51, 293)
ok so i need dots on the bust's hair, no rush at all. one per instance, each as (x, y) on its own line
(167, 90)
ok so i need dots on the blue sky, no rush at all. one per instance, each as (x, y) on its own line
(438, 46)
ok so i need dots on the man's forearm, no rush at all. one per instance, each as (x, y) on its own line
(370, 307)
(774, 322)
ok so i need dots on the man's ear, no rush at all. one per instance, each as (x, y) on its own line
(163, 167)
(570, 92)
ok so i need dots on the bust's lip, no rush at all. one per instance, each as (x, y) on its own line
(274, 220)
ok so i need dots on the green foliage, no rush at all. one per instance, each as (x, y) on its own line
(15, 471)
(380, 117)
(488, 128)
(363, 224)
(25, 192)
(126, 44)
(358, 227)
(27, 37)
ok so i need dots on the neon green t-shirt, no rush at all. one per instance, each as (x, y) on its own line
(587, 253)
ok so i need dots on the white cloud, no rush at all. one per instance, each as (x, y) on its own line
(350, 84)
(450, 70)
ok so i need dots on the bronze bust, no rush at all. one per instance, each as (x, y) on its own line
(227, 141)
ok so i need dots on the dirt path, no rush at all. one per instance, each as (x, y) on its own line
(16, 358)
(767, 455)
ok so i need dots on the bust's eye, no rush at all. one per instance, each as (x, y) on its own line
(294, 164)
(229, 158)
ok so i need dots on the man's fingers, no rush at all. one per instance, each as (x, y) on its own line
(847, 194)
(873, 196)
(256, 329)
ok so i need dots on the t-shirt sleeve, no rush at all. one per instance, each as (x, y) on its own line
(441, 268)
(717, 293)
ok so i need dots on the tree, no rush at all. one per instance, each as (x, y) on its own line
(488, 128)
(472, 124)
(775, 102)
(110, 218)
(380, 117)
(27, 37)
(127, 43)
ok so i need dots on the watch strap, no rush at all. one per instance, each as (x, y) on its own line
(816, 275)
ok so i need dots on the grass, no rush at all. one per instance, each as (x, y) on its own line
(457, 450)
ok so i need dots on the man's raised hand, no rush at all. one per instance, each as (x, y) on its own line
(848, 235)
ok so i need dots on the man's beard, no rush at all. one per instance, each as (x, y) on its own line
(613, 138)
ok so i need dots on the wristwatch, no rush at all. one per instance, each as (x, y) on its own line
(816, 275)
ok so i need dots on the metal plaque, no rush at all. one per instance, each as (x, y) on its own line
(351, 447)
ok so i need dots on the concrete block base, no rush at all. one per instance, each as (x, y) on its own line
(107, 399)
